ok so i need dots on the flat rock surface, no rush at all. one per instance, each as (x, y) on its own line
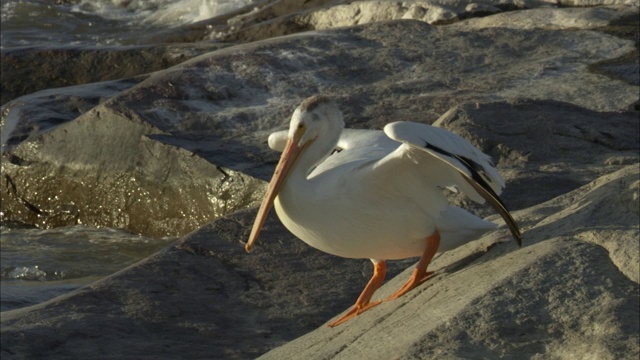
(560, 296)
(553, 99)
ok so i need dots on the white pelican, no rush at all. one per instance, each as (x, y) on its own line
(381, 196)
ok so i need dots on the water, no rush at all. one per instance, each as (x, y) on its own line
(37, 265)
(100, 22)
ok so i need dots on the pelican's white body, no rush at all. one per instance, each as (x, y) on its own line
(378, 198)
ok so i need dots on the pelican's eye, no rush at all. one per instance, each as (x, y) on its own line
(300, 130)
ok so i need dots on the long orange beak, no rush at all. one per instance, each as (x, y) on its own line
(287, 159)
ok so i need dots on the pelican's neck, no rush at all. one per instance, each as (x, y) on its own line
(316, 124)
(314, 154)
(299, 195)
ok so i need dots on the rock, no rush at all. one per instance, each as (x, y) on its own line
(569, 291)
(626, 67)
(557, 146)
(266, 22)
(219, 105)
(595, 2)
(27, 70)
(48, 67)
(105, 170)
(562, 295)
(546, 18)
(202, 297)
(167, 152)
(36, 113)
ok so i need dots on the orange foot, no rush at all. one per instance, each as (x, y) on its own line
(413, 281)
(355, 311)
(364, 300)
(420, 274)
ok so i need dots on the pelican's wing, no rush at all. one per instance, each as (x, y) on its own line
(357, 146)
(356, 138)
(349, 139)
(466, 167)
(354, 145)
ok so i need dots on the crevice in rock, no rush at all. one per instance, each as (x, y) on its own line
(31, 207)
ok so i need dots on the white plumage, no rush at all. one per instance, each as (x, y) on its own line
(377, 195)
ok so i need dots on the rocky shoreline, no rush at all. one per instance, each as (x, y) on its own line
(177, 147)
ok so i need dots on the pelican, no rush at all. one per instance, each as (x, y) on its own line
(380, 196)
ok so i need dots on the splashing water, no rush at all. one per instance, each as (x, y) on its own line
(101, 22)
(40, 264)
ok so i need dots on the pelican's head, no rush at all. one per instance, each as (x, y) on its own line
(314, 117)
(317, 120)
(317, 116)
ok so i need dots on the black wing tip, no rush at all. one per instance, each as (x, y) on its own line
(494, 200)
(517, 235)
(479, 182)
(510, 221)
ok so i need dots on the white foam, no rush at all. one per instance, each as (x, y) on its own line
(10, 124)
(160, 12)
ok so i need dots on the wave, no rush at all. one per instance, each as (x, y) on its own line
(101, 22)
(159, 12)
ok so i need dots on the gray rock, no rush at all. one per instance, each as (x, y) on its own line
(570, 291)
(220, 105)
(278, 18)
(105, 170)
(36, 113)
(202, 297)
(561, 296)
(626, 67)
(30, 69)
(546, 18)
(169, 152)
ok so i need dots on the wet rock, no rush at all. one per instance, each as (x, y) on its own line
(109, 171)
(33, 114)
(29, 69)
(202, 297)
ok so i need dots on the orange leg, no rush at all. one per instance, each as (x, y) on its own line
(420, 274)
(363, 304)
